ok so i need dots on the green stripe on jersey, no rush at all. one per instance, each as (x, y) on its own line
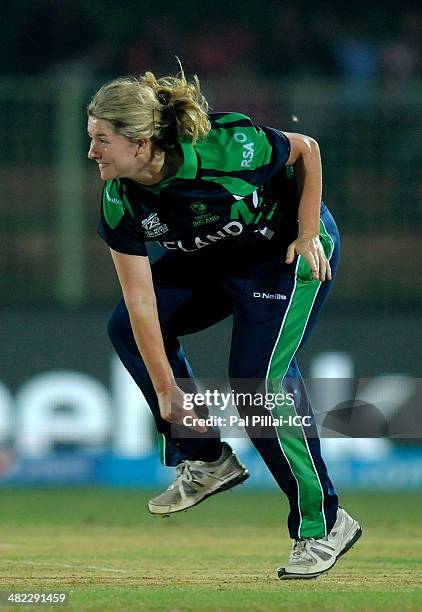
(292, 439)
(230, 117)
(233, 185)
(225, 150)
(234, 149)
(115, 203)
(113, 207)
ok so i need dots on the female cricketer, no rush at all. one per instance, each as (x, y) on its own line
(237, 207)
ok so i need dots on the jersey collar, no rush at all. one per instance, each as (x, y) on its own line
(187, 170)
(189, 167)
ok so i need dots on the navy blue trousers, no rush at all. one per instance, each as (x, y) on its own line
(195, 291)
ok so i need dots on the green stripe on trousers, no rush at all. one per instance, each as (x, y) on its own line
(161, 439)
(292, 439)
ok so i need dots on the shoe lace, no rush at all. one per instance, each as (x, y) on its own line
(322, 542)
(185, 471)
(300, 548)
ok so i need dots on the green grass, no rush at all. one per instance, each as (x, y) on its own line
(103, 548)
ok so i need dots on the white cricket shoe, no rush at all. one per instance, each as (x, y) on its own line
(197, 480)
(311, 557)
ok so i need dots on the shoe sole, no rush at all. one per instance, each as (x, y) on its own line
(286, 576)
(224, 487)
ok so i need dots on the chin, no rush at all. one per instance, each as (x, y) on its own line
(107, 174)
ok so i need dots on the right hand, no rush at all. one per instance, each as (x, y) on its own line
(172, 409)
(311, 249)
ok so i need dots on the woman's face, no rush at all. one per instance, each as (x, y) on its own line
(115, 155)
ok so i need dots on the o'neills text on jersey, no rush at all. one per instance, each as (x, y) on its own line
(269, 296)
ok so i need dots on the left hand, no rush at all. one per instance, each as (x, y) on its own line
(172, 409)
(311, 249)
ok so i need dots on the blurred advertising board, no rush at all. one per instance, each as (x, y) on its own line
(70, 414)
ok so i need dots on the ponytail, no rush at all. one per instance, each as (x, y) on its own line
(163, 109)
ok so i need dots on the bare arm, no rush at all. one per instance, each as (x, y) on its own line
(135, 278)
(305, 155)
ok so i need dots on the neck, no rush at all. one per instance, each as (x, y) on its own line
(151, 172)
(172, 162)
(161, 166)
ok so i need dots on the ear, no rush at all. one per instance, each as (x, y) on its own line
(143, 144)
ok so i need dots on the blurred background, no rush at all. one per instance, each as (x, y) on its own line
(351, 78)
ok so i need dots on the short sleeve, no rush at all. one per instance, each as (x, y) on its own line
(280, 146)
(117, 226)
(240, 154)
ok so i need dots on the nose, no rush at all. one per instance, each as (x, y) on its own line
(92, 152)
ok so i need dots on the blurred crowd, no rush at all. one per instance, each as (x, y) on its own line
(103, 39)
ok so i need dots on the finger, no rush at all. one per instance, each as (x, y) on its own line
(179, 412)
(191, 423)
(329, 273)
(172, 414)
(178, 417)
(165, 414)
(322, 267)
(290, 254)
(313, 264)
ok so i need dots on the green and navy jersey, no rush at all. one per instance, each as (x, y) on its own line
(231, 185)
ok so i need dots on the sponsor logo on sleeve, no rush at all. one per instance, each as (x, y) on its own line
(248, 151)
(113, 200)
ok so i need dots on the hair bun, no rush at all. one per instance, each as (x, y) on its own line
(164, 109)
(164, 98)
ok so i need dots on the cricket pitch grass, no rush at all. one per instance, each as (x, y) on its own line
(104, 549)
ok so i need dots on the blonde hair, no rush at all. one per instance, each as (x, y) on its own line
(162, 109)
